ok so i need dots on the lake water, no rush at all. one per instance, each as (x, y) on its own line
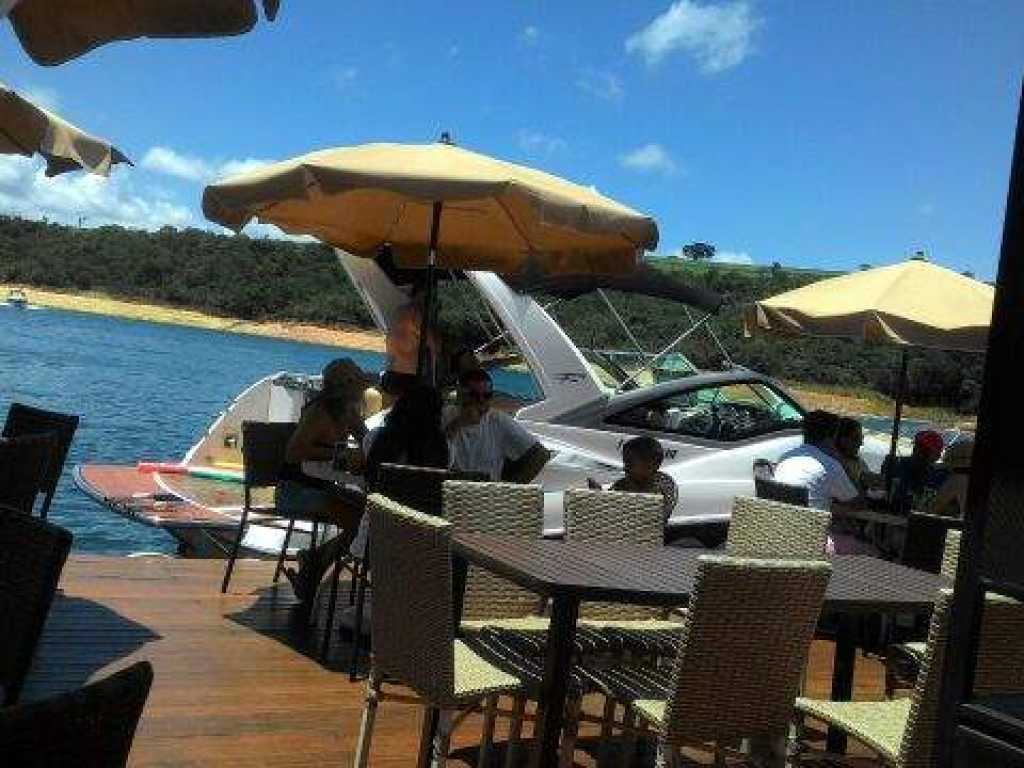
(143, 391)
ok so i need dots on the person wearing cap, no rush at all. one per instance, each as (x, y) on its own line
(331, 417)
(910, 477)
(951, 498)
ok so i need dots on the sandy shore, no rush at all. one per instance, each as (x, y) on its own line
(100, 304)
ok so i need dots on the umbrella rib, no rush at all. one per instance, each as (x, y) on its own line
(515, 224)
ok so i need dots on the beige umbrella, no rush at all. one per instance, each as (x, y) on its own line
(55, 31)
(437, 205)
(911, 304)
(28, 129)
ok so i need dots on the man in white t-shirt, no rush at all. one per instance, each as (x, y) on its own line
(812, 465)
(491, 442)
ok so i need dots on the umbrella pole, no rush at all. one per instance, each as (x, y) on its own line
(426, 371)
(901, 389)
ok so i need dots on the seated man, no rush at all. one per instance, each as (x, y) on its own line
(915, 477)
(484, 440)
(814, 466)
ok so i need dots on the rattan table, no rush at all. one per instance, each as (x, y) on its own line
(572, 572)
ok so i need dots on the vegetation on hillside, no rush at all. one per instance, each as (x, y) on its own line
(274, 280)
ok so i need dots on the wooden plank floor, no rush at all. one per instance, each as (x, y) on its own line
(236, 682)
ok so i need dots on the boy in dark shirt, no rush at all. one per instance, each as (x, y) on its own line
(641, 462)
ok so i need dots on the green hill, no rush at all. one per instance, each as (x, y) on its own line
(263, 279)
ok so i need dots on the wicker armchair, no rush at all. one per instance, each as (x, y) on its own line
(765, 528)
(413, 632)
(903, 660)
(902, 731)
(33, 554)
(24, 462)
(92, 727)
(773, 490)
(26, 420)
(744, 646)
(419, 489)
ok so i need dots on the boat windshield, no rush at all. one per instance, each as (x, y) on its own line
(620, 371)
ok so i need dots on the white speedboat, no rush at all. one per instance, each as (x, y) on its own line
(17, 298)
(711, 424)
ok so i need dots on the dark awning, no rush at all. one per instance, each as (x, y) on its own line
(645, 281)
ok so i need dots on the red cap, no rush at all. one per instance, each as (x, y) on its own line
(930, 440)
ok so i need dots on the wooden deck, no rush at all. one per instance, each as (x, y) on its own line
(237, 681)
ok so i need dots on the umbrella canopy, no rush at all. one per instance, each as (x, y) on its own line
(27, 129)
(912, 304)
(496, 216)
(55, 31)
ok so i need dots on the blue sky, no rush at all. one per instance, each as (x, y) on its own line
(824, 134)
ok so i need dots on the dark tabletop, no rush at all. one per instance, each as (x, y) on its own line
(664, 576)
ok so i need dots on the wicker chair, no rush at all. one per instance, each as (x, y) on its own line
(743, 649)
(902, 731)
(33, 554)
(24, 462)
(92, 727)
(765, 528)
(773, 490)
(413, 632)
(26, 420)
(903, 660)
(420, 489)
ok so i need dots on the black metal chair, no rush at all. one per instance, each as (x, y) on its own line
(26, 420)
(91, 727)
(769, 488)
(23, 469)
(925, 540)
(32, 556)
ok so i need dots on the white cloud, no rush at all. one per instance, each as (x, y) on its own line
(718, 37)
(258, 230)
(167, 161)
(25, 191)
(603, 85)
(191, 168)
(733, 257)
(530, 35)
(453, 51)
(345, 77)
(537, 143)
(650, 158)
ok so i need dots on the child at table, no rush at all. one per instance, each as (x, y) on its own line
(641, 461)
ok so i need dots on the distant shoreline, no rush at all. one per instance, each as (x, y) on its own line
(102, 304)
(839, 399)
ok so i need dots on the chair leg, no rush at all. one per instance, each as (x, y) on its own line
(515, 731)
(607, 726)
(332, 604)
(442, 741)
(234, 550)
(628, 737)
(357, 624)
(667, 756)
(427, 728)
(569, 733)
(487, 732)
(369, 714)
(284, 551)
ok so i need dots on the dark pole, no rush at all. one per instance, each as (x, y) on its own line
(996, 463)
(424, 367)
(901, 391)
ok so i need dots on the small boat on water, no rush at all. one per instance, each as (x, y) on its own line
(17, 298)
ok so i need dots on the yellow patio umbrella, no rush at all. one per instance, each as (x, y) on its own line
(28, 129)
(911, 304)
(438, 205)
(55, 31)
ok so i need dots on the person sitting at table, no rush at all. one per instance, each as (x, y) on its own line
(815, 466)
(331, 417)
(951, 498)
(488, 441)
(402, 346)
(914, 477)
(641, 462)
(849, 439)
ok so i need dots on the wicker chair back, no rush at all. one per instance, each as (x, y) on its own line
(773, 529)
(769, 488)
(743, 649)
(23, 465)
(26, 420)
(32, 555)
(419, 488)
(501, 509)
(263, 449)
